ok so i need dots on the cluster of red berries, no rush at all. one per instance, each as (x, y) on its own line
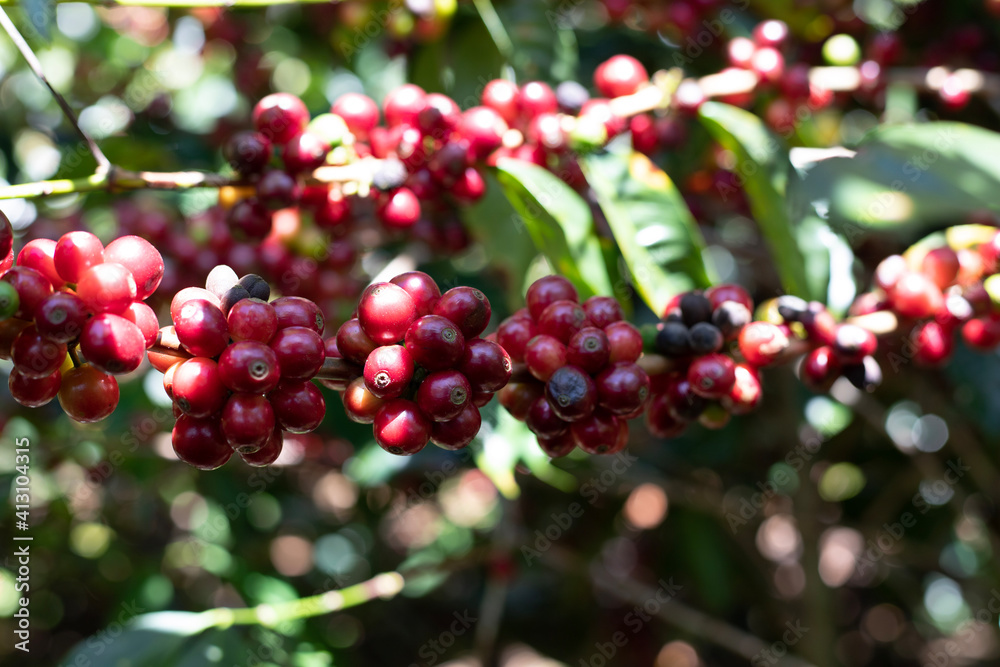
(424, 369)
(248, 376)
(584, 383)
(73, 295)
(703, 381)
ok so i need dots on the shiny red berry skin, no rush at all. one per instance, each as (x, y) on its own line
(620, 75)
(543, 421)
(353, 343)
(435, 342)
(9, 330)
(360, 113)
(719, 294)
(933, 344)
(88, 395)
(190, 294)
(622, 388)
(304, 152)
(247, 421)
(557, 446)
(746, 393)
(915, 296)
(6, 235)
(486, 365)
(38, 255)
(661, 419)
(402, 106)
(197, 388)
(625, 341)
(202, 328)
(820, 369)
(761, 343)
(267, 454)
(712, 376)
(603, 310)
(572, 393)
(141, 315)
(249, 366)
(467, 307)
(280, 117)
(298, 406)
(388, 371)
(546, 291)
(294, 311)
(385, 312)
(483, 128)
(400, 210)
(562, 319)
(537, 98)
(107, 288)
(503, 97)
(889, 271)
(300, 352)
(982, 333)
(251, 217)
(422, 289)
(443, 395)
(276, 189)
(513, 335)
(852, 343)
(33, 392)
(518, 397)
(112, 343)
(544, 355)
(596, 433)
(248, 152)
(35, 356)
(252, 319)
(360, 405)
(459, 432)
(589, 349)
(200, 442)
(60, 317)
(401, 428)
(32, 288)
(941, 265)
(141, 258)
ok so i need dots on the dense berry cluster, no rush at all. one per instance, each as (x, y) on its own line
(248, 376)
(425, 370)
(74, 297)
(704, 381)
(584, 382)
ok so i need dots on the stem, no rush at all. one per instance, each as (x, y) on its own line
(488, 13)
(103, 164)
(74, 356)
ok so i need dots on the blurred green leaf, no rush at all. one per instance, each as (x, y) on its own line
(41, 13)
(830, 260)
(659, 238)
(544, 44)
(763, 165)
(150, 640)
(559, 222)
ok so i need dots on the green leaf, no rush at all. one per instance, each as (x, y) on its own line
(830, 260)
(558, 221)
(909, 177)
(150, 640)
(763, 166)
(658, 237)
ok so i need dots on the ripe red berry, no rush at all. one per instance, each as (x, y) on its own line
(852, 343)
(443, 395)
(190, 294)
(421, 288)
(459, 432)
(661, 419)
(388, 371)
(915, 296)
(546, 291)
(35, 356)
(252, 319)
(746, 392)
(247, 421)
(141, 258)
(6, 235)
(557, 446)
(572, 393)
(941, 265)
(401, 428)
(249, 366)
(514, 333)
(353, 343)
(486, 365)
(112, 343)
(38, 255)
(141, 315)
(620, 75)
(197, 388)
(518, 397)
(435, 342)
(200, 442)
(87, 394)
(402, 106)
(761, 343)
(544, 355)
(933, 344)
(483, 128)
(589, 349)
(251, 217)
(625, 341)
(543, 421)
(360, 113)
(820, 369)
(537, 98)
(772, 33)
(60, 317)
(33, 392)
(360, 405)
(280, 116)
(712, 376)
(400, 210)
(107, 288)
(622, 388)
(300, 352)
(467, 307)
(719, 294)
(503, 97)
(304, 152)
(298, 406)
(385, 312)
(248, 152)
(9, 330)
(32, 288)
(267, 454)
(603, 310)
(596, 433)
(201, 328)
(982, 333)
(562, 319)
(294, 311)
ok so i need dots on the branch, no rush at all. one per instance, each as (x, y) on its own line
(103, 164)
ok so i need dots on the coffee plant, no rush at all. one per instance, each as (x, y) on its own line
(592, 332)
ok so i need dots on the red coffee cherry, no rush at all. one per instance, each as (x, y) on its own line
(247, 421)
(518, 397)
(32, 288)
(298, 406)
(294, 311)
(941, 265)
(421, 288)
(543, 421)
(360, 405)
(38, 255)
(267, 454)
(852, 343)
(719, 294)
(503, 97)
(280, 117)
(712, 376)
(385, 312)
(761, 343)
(486, 365)
(35, 356)
(625, 341)
(107, 288)
(112, 344)
(141, 258)
(401, 428)
(353, 343)
(459, 432)
(589, 349)
(483, 128)
(197, 388)
(562, 319)
(200, 442)
(622, 388)
(746, 393)
(982, 333)
(620, 75)
(201, 328)
(546, 291)
(400, 210)
(661, 420)
(9, 330)
(300, 352)
(820, 369)
(933, 344)
(360, 113)
(603, 310)
(514, 333)
(190, 294)
(544, 355)
(141, 315)
(33, 392)
(252, 319)
(443, 395)
(889, 271)
(249, 366)
(558, 446)
(304, 152)
(402, 106)
(572, 393)
(6, 236)
(60, 317)
(467, 307)
(75, 252)
(388, 371)
(435, 342)
(597, 433)
(915, 296)
(87, 394)
(248, 152)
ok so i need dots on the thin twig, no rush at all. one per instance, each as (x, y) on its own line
(103, 164)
